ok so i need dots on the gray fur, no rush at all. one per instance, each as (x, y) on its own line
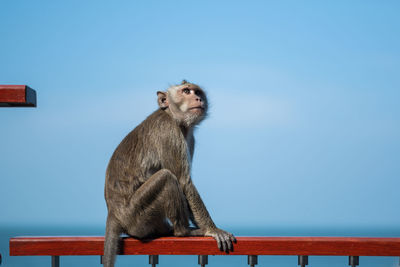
(148, 189)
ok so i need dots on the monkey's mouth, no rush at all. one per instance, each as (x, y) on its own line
(199, 107)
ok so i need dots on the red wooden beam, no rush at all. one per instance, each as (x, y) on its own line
(17, 96)
(328, 246)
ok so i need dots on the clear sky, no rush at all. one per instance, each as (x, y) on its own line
(304, 126)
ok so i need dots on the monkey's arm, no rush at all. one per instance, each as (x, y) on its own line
(203, 219)
(201, 216)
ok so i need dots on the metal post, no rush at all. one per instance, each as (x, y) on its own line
(153, 260)
(55, 261)
(303, 260)
(252, 260)
(203, 260)
(0, 259)
(354, 261)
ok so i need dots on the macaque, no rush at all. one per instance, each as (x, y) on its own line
(148, 188)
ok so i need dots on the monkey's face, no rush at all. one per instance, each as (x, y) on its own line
(188, 102)
(191, 99)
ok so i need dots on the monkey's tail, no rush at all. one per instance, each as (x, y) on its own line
(111, 242)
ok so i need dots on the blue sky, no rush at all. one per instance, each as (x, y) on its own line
(304, 123)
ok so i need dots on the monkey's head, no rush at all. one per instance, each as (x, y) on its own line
(186, 103)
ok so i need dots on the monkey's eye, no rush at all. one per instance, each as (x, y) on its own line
(186, 91)
(197, 92)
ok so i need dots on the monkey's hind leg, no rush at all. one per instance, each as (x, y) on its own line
(158, 199)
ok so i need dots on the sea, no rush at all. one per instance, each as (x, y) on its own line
(8, 231)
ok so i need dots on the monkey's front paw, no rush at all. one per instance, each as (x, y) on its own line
(224, 239)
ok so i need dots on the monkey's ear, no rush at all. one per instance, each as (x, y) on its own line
(162, 100)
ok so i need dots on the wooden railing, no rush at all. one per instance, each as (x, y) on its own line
(17, 96)
(203, 246)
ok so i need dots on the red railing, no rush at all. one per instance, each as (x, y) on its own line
(17, 96)
(252, 246)
(333, 246)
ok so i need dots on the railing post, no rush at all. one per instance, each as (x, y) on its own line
(55, 261)
(354, 261)
(203, 260)
(302, 260)
(153, 260)
(252, 260)
(0, 259)
(101, 259)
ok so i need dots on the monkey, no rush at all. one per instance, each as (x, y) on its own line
(148, 188)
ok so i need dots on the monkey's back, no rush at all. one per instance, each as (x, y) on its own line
(155, 144)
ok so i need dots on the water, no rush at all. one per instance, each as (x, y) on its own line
(186, 261)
